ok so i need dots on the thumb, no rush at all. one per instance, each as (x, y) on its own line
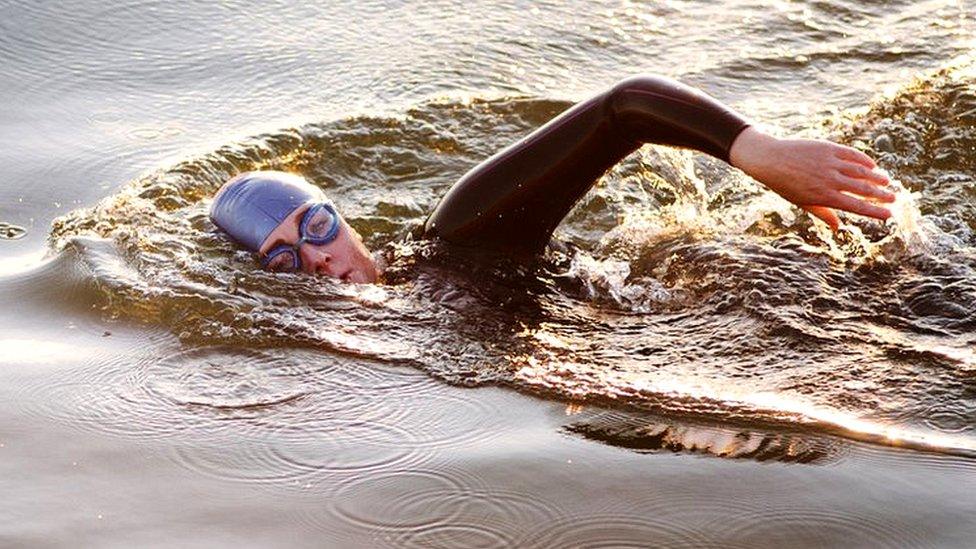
(826, 215)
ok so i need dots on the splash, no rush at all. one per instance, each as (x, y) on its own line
(907, 227)
(609, 277)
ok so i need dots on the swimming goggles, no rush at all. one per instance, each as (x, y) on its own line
(319, 225)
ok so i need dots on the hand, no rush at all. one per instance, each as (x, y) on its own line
(818, 176)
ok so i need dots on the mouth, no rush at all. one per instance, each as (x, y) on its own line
(345, 276)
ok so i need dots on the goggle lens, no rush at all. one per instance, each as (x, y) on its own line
(321, 225)
(282, 262)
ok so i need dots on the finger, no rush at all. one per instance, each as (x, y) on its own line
(850, 204)
(826, 215)
(863, 188)
(859, 171)
(856, 156)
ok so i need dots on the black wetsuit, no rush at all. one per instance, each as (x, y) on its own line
(514, 200)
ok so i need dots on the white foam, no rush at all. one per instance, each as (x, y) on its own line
(609, 278)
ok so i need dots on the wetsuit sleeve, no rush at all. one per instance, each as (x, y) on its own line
(514, 200)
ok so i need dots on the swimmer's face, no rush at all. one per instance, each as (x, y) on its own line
(345, 258)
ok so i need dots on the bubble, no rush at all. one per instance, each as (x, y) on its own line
(11, 232)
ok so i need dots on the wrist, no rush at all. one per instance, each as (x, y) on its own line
(751, 149)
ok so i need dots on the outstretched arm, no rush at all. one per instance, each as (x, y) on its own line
(514, 200)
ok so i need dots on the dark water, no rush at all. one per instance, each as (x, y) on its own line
(692, 363)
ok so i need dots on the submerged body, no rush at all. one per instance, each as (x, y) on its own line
(513, 201)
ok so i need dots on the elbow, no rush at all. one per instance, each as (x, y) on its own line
(640, 97)
(637, 91)
(644, 83)
(643, 80)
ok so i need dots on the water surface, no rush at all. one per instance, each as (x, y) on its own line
(692, 363)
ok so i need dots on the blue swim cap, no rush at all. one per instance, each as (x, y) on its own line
(252, 204)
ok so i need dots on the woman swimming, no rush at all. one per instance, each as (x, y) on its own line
(513, 201)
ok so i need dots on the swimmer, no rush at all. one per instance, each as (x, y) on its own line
(513, 201)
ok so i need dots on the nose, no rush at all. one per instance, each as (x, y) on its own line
(315, 260)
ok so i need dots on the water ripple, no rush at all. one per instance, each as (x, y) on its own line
(445, 507)
(776, 526)
(618, 530)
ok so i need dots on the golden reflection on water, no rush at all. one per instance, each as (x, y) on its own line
(544, 335)
(574, 408)
(920, 343)
(791, 409)
(854, 426)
